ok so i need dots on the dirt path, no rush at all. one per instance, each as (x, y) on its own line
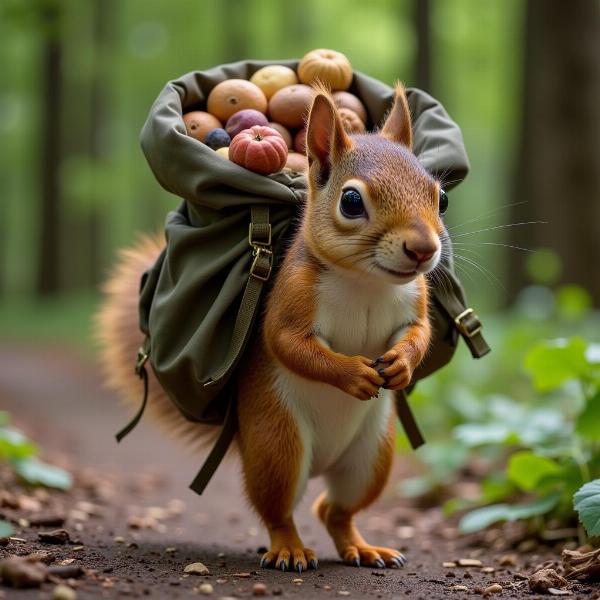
(57, 398)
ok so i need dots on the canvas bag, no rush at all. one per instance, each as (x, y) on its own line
(200, 302)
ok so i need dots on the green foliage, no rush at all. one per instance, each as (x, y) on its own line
(488, 515)
(20, 454)
(538, 440)
(528, 470)
(553, 363)
(6, 529)
(587, 503)
(558, 451)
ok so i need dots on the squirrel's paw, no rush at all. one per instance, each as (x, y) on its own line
(373, 556)
(395, 368)
(285, 559)
(362, 381)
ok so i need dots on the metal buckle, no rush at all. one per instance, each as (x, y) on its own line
(141, 359)
(463, 328)
(260, 251)
(251, 239)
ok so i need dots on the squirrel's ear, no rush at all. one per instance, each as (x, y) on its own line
(397, 127)
(326, 139)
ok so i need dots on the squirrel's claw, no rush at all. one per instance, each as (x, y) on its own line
(313, 564)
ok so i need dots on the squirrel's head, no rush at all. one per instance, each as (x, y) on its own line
(372, 208)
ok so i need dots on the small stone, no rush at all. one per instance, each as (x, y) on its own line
(459, 588)
(19, 572)
(544, 579)
(343, 593)
(405, 532)
(68, 571)
(171, 550)
(205, 589)
(47, 520)
(469, 562)
(56, 536)
(277, 591)
(259, 589)
(557, 592)
(242, 575)
(495, 588)
(326, 587)
(298, 581)
(449, 565)
(527, 546)
(41, 556)
(119, 539)
(196, 568)
(508, 560)
(63, 592)
(488, 570)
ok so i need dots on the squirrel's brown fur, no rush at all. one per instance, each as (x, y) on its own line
(347, 315)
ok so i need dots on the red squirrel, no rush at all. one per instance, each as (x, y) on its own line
(346, 322)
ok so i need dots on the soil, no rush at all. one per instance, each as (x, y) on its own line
(134, 526)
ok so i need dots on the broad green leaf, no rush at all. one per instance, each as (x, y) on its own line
(588, 422)
(573, 301)
(481, 518)
(14, 445)
(553, 363)
(479, 434)
(496, 487)
(587, 503)
(36, 472)
(526, 469)
(6, 529)
(488, 515)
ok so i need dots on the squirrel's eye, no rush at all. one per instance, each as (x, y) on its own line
(351, 204)
(443, 202)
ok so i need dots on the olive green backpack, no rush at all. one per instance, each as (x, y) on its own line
(200, 302)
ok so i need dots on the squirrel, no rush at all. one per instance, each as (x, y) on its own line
(345, 324)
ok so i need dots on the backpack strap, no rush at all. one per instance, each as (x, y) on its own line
(452, 301)
(259, 237)
(466, 322)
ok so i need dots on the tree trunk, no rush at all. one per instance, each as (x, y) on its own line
(422, 28)
(558, 172)
(103, 17)
(48, 275)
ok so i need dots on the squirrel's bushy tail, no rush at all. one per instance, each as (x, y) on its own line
(119, 336)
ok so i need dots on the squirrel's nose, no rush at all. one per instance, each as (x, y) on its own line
(419, 251)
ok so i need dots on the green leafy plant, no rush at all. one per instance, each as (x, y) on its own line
(21, 454)
(554, 455)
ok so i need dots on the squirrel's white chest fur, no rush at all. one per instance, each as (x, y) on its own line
(353, 316)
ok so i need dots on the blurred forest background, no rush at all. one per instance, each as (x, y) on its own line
(521, 77)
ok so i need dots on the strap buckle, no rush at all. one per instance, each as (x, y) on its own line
(143, 354)
(261, 271)
(252, 235)
(471, 329)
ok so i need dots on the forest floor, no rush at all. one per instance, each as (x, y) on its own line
(133, 525)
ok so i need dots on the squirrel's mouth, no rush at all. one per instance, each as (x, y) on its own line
(401, 274)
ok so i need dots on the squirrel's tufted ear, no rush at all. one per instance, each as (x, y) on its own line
(326, 139)
(397, 127)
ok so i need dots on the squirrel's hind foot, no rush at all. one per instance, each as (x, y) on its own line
(285, 559)
(372, 556)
